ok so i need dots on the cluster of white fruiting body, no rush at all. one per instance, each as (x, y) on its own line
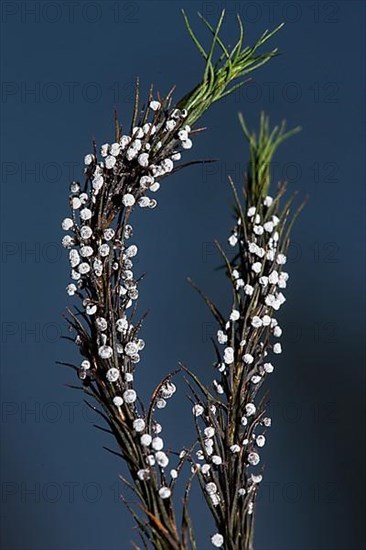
(152, 445)
(246, 340)
(101, 259)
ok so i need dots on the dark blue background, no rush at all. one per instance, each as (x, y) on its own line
(312, 496)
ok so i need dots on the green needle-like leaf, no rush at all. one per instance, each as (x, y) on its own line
(229, 67)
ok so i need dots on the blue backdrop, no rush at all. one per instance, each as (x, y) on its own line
(65, 66)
